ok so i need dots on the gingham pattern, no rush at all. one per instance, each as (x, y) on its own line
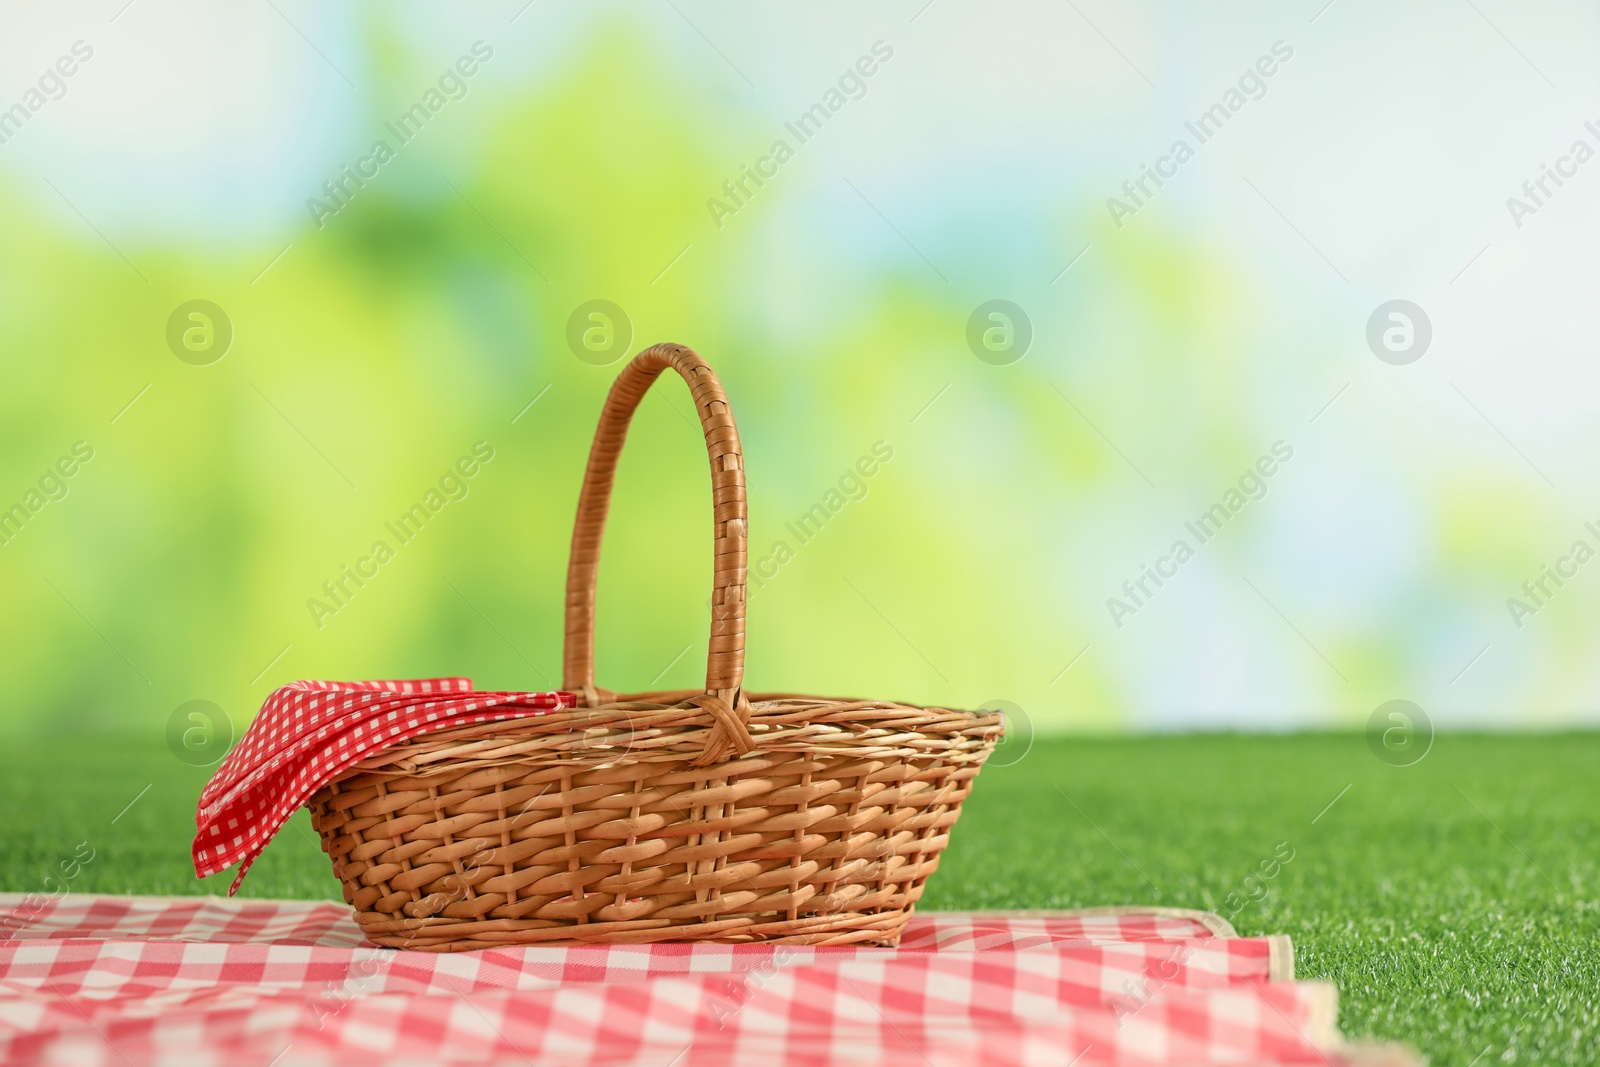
(92, 980)
(306, 922)
(309, 732)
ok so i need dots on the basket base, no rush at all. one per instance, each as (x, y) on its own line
(850, 928)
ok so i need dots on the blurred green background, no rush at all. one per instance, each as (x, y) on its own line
(374, 346)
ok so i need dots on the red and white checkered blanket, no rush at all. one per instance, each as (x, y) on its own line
(129, 981)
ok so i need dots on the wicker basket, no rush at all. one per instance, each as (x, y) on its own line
(706, 815)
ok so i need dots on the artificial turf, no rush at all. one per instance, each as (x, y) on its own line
(1454, 902)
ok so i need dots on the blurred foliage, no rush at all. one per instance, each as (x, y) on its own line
(428, 314)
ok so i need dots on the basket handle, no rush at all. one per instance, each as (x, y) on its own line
(723, 699)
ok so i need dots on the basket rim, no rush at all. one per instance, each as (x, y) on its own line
(588, 737)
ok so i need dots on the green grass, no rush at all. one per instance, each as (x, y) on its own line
(1453, 902)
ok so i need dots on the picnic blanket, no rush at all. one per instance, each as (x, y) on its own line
(91, 980)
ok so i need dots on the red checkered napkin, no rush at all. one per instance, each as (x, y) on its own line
(309, 732)
(106, 980)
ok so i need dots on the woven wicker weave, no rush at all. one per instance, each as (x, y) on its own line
(704, 815)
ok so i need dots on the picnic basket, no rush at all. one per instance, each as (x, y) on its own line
(704, 815)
